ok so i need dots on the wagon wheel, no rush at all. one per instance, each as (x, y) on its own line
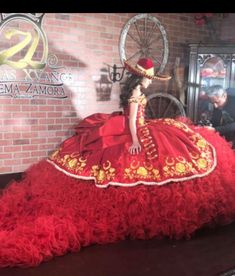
(161, 105)
(144, 36)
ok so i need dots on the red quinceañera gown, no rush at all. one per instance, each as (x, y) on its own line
(92, 190)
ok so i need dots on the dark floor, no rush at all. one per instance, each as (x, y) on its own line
(211, 252)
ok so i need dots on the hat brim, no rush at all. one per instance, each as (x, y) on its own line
(133, 69)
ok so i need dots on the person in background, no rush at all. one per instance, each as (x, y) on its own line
(223, 115)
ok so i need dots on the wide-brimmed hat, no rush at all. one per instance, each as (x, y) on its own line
(145, 68)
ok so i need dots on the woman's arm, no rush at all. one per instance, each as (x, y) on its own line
(135, 148)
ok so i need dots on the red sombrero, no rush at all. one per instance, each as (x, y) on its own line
(145, 68)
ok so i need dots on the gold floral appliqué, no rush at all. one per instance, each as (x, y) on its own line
(73, 162)
(104, 172)
(141, 171)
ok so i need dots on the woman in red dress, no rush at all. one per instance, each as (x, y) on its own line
(159, 178)
(135, 151)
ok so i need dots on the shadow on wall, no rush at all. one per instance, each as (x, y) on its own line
(103, 86)
(90, 88)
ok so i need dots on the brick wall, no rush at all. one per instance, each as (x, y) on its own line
(82, 42)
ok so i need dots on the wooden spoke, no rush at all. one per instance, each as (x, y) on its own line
(152, 109)
(162, 105)
(138, 32)
(150, 33)
(167, 109)
(146, 34)
(138, 42)
(134, 55)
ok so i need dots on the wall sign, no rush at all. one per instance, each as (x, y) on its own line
(27, 69)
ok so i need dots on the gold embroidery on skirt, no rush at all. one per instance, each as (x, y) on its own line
(73, 162)
(141, 171)
(104, 172)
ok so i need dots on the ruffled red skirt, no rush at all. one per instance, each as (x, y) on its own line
(48, 213)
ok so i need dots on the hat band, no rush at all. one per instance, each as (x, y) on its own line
(149, 71)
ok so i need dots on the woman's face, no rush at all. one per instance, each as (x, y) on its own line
(146, 82)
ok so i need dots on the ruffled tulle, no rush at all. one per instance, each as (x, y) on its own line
(48, 213)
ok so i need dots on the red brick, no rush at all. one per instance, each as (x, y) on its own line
(29, 135)
(54, 127)
(63, 120)
(5, 101)
(20, 115)
(19, 168)
(38, 127)
(46, 108)
(5, 142)
(6, 169)
(29, 108)
(29, 147)
(10, 108)
(8, 121)
(11, 162)
(54, 140)
(38, 114)
(13, 135)
(47, 134)
(22, 154)
(40, 154)
(21, 101)
(21, 128)
(12, 149)
(5, 156)
(38, 101)
(38, 140)
(30, 160)
(49, 146)
(21, 142)
(54, 114)
(46, 121)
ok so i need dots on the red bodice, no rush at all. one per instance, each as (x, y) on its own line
(142, 101)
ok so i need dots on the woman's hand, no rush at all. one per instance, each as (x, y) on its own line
(135, 148)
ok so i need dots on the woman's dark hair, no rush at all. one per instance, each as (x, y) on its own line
(126, 91)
